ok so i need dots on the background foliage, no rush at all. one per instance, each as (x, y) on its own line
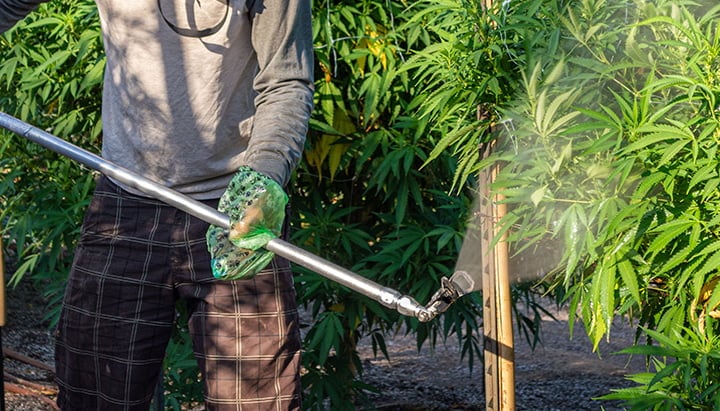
(611, 146)
(619, 159)
(603, 114)
(608, 137)
(50, 76)
(361, 199)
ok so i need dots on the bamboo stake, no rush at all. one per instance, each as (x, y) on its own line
(506, 345)
(2, 321)
(499, 344)
(2, 283)
(491, 338)
(12, 354)
(42, 389)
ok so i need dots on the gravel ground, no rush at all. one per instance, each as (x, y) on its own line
(26, 333)
(560, 374)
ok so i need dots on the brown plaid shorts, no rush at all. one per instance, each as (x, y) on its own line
(136, 257)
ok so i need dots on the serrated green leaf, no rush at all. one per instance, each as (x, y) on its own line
(650, 139)
(669, 232)
(630, 279)
(676, 259)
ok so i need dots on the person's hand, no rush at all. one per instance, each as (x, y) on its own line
(255, 205)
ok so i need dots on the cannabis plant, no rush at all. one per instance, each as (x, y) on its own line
(684, 373)
(51, 69)
(361, 200)
(607, 145)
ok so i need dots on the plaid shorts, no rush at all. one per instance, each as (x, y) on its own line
(136, 257)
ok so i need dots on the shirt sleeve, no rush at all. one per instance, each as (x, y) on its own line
(12, 11)
(282, 39)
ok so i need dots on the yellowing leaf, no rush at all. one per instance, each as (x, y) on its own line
(343, 124)
(374, 41)
(336, 153)
(337, 308)
(537, 196)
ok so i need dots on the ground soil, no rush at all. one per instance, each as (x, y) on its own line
(560, 374)
(26, 339)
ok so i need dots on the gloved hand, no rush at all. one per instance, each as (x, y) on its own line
(255, 204)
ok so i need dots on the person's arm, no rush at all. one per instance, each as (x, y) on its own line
(12, 11)
(282, 39)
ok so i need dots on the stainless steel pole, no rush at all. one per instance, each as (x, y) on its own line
(387, 296)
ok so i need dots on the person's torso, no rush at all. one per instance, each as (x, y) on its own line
(178, 109)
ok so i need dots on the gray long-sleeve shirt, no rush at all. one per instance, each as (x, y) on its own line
(187, 112)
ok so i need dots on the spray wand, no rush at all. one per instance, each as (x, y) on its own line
(451, 289)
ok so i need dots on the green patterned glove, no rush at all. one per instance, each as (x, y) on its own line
(255, 204)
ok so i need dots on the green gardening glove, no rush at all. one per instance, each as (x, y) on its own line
(255, 204)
